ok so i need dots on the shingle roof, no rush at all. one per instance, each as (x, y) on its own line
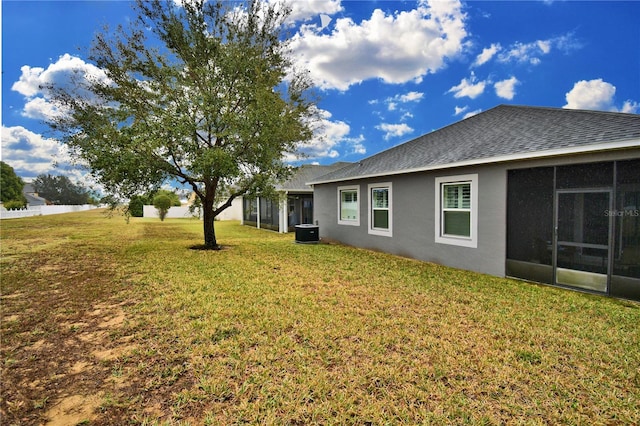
(31, 196)
(307, 172)
(34, 200)
(499, 134)
(28, 188)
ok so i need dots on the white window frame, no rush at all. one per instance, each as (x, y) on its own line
(386, 232)
(350, 222)
(440, 237)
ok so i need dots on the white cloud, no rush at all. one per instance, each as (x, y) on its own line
(394, 130)
(472, 113)
(356, 145)
(312, 9)
(522, 52)
(593, 94)
(469, 87)
(567, 43)
(31, 154)
(396, 48)
(67, 72)
(544, 46)
(630, 107)
(29, 83)
(487, 54)
(393, 101)
(460, 110)
(41, 109)
(328, 136)
(506, 89)
(406, 116)
(596, 95)
(411, 97)
(533, 51)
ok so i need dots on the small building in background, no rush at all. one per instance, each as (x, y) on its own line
(33, 200)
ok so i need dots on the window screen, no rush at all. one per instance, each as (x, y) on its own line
(530, 215)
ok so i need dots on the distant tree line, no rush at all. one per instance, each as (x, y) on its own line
(57, 190)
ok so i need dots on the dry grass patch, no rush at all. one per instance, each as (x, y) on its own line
(272, 332)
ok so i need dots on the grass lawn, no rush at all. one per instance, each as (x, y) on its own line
(105, 322)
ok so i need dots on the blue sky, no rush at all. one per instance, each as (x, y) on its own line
(388, 71)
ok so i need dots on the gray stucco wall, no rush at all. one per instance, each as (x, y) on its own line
(414, 213)
(414, 219)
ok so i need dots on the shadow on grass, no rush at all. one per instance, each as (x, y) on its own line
(207, 247)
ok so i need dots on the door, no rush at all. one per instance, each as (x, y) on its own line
(300, 210)
(583, 230)
(307, 209)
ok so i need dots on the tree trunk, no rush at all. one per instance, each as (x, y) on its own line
(208, 223)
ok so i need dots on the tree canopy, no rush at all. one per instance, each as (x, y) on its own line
(203, 93)
(11, 184)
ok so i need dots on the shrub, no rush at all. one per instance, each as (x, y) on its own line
(14, 205)
(162, 203)
(136, 206)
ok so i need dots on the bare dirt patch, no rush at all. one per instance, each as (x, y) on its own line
(73, 410)
(74, 359)
(113, 353)
(62, 334)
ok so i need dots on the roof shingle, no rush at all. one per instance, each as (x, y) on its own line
(305, 173)
(499, 132)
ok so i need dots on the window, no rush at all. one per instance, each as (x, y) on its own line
(380, 217)
(348, 207)
(456, 210)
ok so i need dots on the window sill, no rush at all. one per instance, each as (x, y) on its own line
(381, 232)
(458, 241)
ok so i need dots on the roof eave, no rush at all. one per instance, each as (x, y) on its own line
(559, 152)
(296, 190)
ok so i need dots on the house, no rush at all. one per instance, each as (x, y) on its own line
(540, 194)
(31, 196)
(294, 206)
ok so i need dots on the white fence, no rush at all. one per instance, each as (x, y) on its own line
(173, 213)
(43, 211)
(231, 213)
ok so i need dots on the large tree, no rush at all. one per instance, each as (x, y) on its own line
(60, 190)
(203, 93)
(11, 184)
